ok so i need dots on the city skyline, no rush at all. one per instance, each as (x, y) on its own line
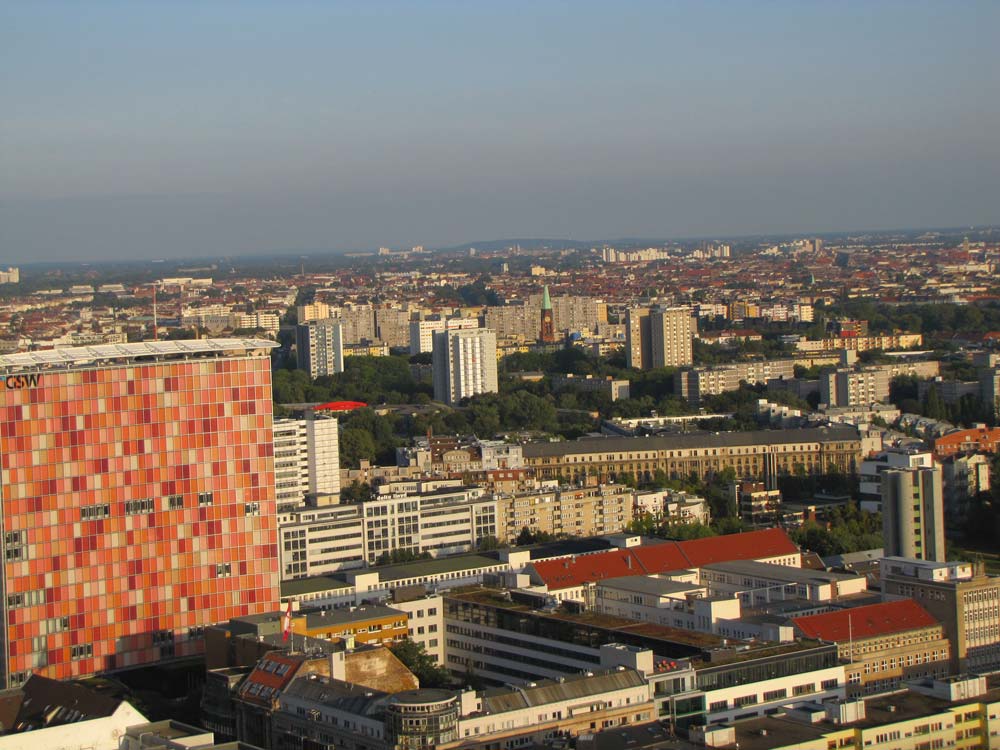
(193, 131)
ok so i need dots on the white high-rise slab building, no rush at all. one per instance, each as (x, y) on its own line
(464, 363)
(319, 346)
(422, 331)
(306, 458)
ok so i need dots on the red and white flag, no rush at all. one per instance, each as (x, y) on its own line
(287, 622)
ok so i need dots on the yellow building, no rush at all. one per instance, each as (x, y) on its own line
(371, 623)
(750, 454)
(930, 716)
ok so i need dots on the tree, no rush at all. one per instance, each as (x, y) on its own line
(356, 492)
(415, 657)
(532, 536)
(400, 556)
(488, 543)
(356, 445)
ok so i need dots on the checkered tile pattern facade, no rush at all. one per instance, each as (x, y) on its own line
(138, 506)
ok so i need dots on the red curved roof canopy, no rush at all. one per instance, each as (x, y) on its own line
(341, 406)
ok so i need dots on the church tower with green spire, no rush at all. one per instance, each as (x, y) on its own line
(547, 334)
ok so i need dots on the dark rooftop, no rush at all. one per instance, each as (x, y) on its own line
(690, 440)
(494, 597)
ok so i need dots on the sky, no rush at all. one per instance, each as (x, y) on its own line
(196, 129)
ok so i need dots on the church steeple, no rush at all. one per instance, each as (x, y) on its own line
(547, 332)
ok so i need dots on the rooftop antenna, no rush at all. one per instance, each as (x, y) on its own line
(156, 333)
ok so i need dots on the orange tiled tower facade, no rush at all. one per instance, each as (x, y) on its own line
(138, 501)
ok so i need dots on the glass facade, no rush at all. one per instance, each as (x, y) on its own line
(767, 668)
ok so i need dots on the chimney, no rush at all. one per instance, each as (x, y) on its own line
(338, 665)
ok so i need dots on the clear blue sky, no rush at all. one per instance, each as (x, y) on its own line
(153, 129)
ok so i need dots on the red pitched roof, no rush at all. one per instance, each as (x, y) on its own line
(660, 558)
(568, 572)
(272, 674)
(750, 545)
(865, 622)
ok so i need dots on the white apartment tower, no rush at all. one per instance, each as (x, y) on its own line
(319, 347)
(464, 364)
(306, 458)
(422, 331)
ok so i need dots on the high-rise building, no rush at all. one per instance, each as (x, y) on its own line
(873, 469)
(547, 331)
(393, 326)
(638, 342)
(671, 331)
(913, 514)
(659, 337)
(422, 331)
(319, 347)
(357, 322)
(464, 364)
(138, 501)
(312, 311)
(306, 458)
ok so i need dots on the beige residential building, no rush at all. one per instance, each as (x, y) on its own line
(312, 311)
(696, 383)
(638, 342)
(571, 314)
(586, 511)
(671, 331)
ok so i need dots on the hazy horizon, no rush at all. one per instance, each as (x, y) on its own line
(187, 130)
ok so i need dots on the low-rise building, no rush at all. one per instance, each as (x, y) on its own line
(175, 735)
(318, 710)
(679, 602)
(672, 506)
(571, 578)
(696, 383)
(615, 389)
(757, 584)
(957, 712)
(324, 537)
(57, 715)
(756, 503)
(756, 454)
(979, 439)
(961, 597)
(882, 645)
